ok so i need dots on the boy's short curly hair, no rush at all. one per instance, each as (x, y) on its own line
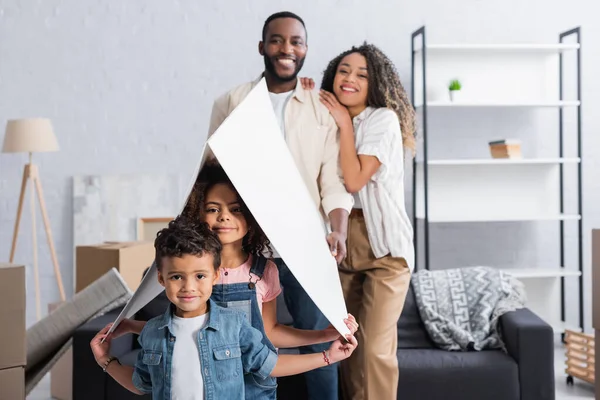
(255, 242)
(185, 236)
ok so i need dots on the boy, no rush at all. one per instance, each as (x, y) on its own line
(198, 350)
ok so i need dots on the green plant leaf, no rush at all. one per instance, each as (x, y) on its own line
(454, 85)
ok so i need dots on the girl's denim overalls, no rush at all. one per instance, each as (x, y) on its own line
(242, 296)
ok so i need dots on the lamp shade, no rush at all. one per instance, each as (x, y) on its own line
(31, 135)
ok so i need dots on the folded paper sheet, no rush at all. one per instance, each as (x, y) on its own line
(250, 148)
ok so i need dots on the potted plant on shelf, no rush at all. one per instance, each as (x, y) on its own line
(454, 89)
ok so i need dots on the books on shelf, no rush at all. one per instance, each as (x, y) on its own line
(505, 148)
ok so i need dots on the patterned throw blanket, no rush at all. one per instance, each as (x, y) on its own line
(460, 307)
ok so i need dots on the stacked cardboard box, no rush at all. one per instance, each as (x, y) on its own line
(129, 258)
(13, 354)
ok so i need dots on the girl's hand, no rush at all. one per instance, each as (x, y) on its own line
(332, 334)
(339, 112)
(351, 323)
(101, 349)
(341, 350)
(307, 83)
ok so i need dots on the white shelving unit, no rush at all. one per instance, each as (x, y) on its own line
(489, 103)
(498, 190)
(507, 161)
(541, 272)
(543, 284)
(528, 48)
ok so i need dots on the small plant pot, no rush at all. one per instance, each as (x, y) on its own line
(455, 95)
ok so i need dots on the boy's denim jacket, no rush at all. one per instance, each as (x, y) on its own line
(228, 347)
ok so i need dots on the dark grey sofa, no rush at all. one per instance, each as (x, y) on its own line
(526, 372)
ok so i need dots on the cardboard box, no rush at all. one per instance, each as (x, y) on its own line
(12, 316)
(12, 383)
(61, 374)
(129, 258)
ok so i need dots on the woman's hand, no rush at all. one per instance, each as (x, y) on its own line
(339, 112)
(307, 83)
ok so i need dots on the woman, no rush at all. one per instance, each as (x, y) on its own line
(363, 93)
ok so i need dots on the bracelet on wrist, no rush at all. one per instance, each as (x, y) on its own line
(326, 358)
(108, 361)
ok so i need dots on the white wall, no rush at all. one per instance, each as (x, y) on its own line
(129, 85)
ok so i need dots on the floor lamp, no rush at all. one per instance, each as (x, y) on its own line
(33, 135)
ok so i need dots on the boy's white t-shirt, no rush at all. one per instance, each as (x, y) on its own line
(186, 368)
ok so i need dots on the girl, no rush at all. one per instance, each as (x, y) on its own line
(247, 280)
(363, 93)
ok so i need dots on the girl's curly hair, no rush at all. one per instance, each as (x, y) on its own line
(255, 242)
(385, 88)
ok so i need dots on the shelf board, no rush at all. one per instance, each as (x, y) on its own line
(531, 273)
(503, 161)
(533, 104)
(516, 47)
(561, 326)
(523, 218)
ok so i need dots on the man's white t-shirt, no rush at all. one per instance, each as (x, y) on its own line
(279, 101)
(186, 368)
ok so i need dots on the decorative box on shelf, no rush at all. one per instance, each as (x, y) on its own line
(506, 148)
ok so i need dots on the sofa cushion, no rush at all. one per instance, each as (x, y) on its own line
(411, 331)
(486, 375)
(154, 308)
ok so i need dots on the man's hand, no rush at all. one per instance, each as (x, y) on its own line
(337, 245)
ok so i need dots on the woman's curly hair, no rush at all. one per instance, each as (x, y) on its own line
(385, 88)
(255, 242)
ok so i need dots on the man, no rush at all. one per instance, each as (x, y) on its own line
(311, 135)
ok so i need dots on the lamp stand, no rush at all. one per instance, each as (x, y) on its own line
(31, 172)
